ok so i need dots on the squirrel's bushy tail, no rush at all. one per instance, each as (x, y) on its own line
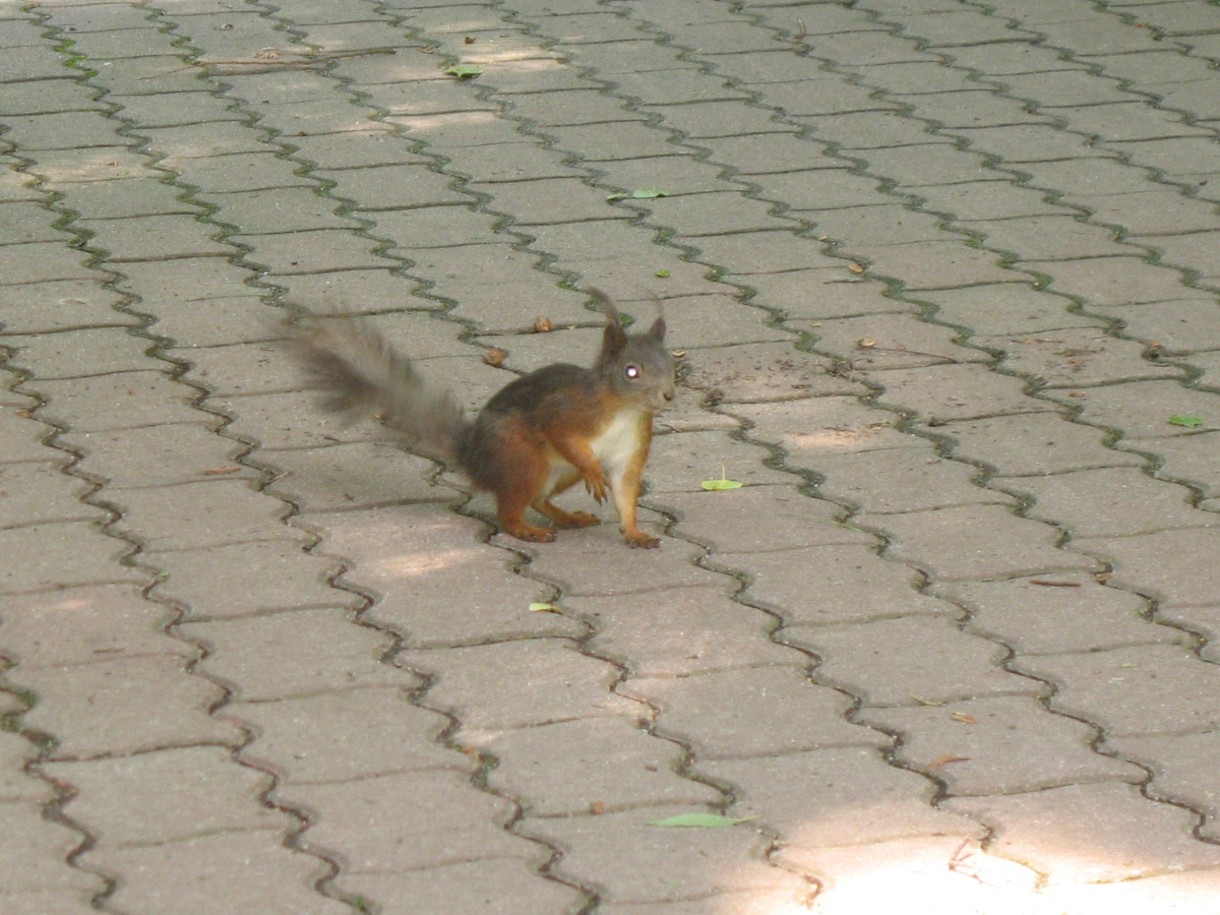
(359, 374)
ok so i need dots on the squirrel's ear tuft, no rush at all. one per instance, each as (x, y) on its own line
(615, 338)
(657, 331)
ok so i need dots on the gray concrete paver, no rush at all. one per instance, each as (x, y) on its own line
(35, 849)
(581, 684)
(999, 745)
(986, 231)
(39, 492)
(54, 630)
(294, 653)
(132, 705)
(135, 800)
(1033, 443)
(691, 631)
(405, 822)
(509, 885)
(776, 710)
(645, 771)
(1057, 614)
(213, 873)
(897, 480)
(1122, 686)
(617, 853)
(956, 665)
(962, 547)
(851, 797)
(1118, 501)
(1060, 831)
(339, 736)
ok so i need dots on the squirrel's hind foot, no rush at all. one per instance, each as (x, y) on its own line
(530, 533)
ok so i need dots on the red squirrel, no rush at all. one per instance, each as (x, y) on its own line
(538, 436)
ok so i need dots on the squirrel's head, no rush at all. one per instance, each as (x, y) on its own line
(638, 366)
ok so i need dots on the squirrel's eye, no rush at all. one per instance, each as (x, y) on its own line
(632, 372)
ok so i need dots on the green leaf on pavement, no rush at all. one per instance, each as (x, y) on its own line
(464, 71)
(640, 193)
(699, 821)
(1183, 419)
(721, 484)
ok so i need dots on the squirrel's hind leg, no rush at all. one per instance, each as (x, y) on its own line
(519, 481)
(544, 506)
(510, 511)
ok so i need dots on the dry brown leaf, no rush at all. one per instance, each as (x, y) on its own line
(946, 758)
(494, 357)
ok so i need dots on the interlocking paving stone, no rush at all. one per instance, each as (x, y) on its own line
(94, 558)
(463, 676)
(956, 666)
(40, 492)
(901, 479)
(405, 822)
(999, 745)
(123, 400)
(926, 874)
(506, 884)
(1029, 444)
(959, 392)
(135, 800)
(1123, 687)
(294, 654)
(77, 625)
(837, 583)
(802, 715)
(134, 704)
(211, 873)
(1029, 547)
(644, 772)
(1167, 563)
(795, 521)
(632, 861)
(1181, 770)
(1111, 501)
(345, 735)
(213, 512)
(1083, 834)
(853, 797)
(1077, 358)
(1060, 613)
(34, 849)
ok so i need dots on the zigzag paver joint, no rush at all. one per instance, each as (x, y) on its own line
(943, 272)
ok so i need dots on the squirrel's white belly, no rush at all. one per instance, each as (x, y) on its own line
(614, 447)
(618, 443)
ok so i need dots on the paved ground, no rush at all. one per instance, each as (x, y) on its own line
(945, 277)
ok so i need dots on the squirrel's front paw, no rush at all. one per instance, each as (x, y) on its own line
(597, 487)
